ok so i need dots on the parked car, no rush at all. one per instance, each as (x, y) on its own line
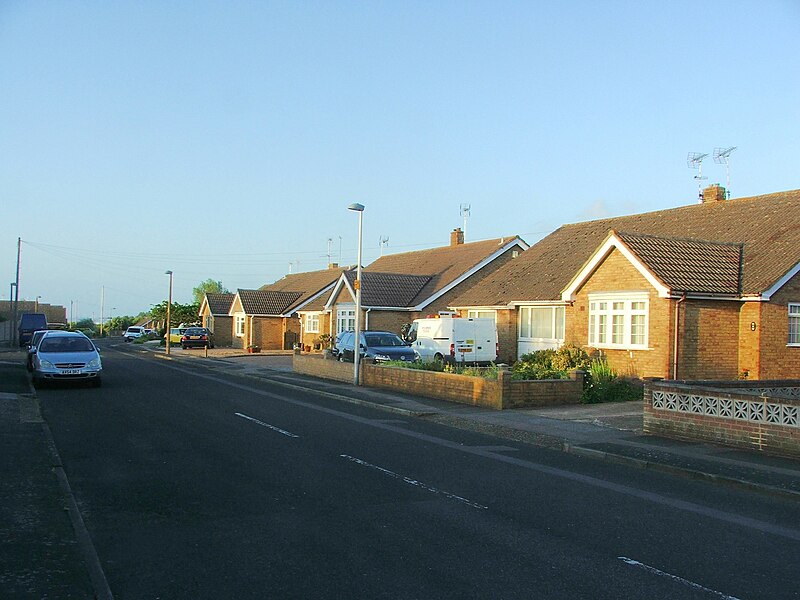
(197, 337)
(66, 356)
(133, 332)
(28, 323)
(35, 339)
(175, 334)
(375, 347)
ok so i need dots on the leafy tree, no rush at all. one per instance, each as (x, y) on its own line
(209, 286)
(180, 313)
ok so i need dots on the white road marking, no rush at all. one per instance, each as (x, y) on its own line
(413, 482)
(691, 584)
(268, 426)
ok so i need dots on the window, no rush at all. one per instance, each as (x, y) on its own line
(239, 317)
(794, 324)
(482, 314)
(345, 319)
(209, 323)
(618, 321)
(312, 323)
(541, 323)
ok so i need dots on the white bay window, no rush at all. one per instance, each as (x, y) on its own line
(618, 320)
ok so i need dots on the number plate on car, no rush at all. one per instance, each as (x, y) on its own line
(71, 372)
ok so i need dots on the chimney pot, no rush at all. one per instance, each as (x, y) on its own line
(456, 237)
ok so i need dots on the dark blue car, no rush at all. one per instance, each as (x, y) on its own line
(376, 347)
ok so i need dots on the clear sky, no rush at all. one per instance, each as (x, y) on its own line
(225, 140)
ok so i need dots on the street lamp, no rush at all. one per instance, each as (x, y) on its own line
(12, 337)
(169, 306)
(359, 208)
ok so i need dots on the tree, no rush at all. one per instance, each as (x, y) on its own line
(209, 286)
(180, 313)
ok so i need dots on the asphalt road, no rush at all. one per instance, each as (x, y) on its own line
(193, 485)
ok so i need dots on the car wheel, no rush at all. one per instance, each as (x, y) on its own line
(438, 358)
(183, 346)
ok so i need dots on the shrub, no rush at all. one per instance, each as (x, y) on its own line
(550, 364)
(603, 384)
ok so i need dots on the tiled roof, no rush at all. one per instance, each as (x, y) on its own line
(308, 284)
(767, 227)
(689, 265)
(441, 265)
(388, 289)
(219, 304)
(264, 302)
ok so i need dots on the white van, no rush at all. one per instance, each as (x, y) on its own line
(454, 339)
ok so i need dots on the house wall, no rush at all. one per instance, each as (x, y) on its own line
(779, 361)
(709, 340)
(223, 331)
(750, 340)
(617, 274)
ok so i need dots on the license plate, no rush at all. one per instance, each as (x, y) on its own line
(194, 337)
(70, 372)
(465, 350)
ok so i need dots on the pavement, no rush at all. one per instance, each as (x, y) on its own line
(42, 528)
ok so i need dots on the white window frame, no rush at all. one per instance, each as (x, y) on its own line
(793, 311)
(482, 314)
(209, 324)
(611, 320)
(239, 321)
(557, 318)
(346, 318)
(312, 323)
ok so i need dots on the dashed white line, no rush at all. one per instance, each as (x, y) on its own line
(268, 426)
(413, 482)
(686, 582)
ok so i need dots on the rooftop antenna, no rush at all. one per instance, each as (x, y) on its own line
(464, 210)
(330, 243)
(694, 160)
(383, 241)
(722, 157)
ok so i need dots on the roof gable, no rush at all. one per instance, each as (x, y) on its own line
(388, 289)
(310, 285)
(670, 265)
(266, 302)
(217, 303)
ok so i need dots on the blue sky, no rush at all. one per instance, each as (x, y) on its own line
(225, 140)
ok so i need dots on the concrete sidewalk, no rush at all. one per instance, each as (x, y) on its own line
(42, 556)
(610, 432)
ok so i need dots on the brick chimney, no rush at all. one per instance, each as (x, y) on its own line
(333, 266)
(714, 193)
(456, 237)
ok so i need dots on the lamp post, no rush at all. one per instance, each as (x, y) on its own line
(169, 307)
(359, 208)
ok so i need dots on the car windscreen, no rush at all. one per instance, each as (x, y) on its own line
(383, 340)
(195, 331)
(65, 344)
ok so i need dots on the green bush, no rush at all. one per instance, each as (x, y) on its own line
(420, 366)
(550, 364)
(603, 384)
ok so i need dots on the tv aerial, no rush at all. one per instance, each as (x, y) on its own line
(722, 157)
(694, 160)
(463, 210)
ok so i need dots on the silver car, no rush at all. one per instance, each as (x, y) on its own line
(66, 356)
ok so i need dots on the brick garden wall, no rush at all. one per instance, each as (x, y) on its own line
(756, 415)
(476, 391)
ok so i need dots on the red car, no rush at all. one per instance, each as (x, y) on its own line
(197, 337)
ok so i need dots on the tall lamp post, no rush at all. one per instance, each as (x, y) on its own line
(12, 337)
(359, 208)
(169, 307)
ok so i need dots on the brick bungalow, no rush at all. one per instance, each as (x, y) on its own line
(215, 315)
(398, 288)
(705, 291)
(270, 316)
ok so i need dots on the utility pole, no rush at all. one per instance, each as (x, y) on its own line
(102, 300)
(14, 339)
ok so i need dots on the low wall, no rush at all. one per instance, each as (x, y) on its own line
(756, 415)
(476, 391)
